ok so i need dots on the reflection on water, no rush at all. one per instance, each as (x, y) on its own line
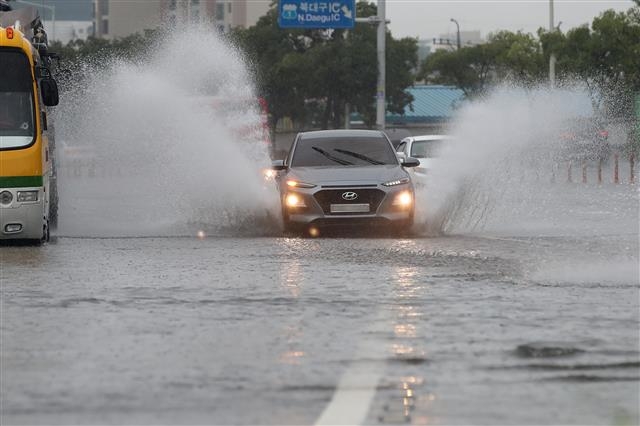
(19, 254)
(409, 394)
(277, 321)
(407, 346)
(405, 330)
(291, 357)
(291, 280)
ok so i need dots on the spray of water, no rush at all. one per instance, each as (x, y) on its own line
(509, 162)
(172, 145)
(158, 146)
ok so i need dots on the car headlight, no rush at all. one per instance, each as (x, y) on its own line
(403, 199)
(298, 184)
(293, 200)
(6, 197)
(269, 174)
(27, 196)
(397, 182)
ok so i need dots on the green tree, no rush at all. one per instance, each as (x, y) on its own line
(605, 57)
(506, 56)
(131, 47)
(276, 59)
(469, 68)
(402, 60)
(518, 57)
(306, 74)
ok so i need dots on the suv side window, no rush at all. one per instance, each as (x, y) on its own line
(289, 157)
(401, 147)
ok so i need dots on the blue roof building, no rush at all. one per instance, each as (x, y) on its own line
(432, 104)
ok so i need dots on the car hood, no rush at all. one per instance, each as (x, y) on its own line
(347, 174)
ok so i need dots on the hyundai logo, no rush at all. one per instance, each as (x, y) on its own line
(349, 196)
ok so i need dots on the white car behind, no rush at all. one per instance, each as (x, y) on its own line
(426, 148)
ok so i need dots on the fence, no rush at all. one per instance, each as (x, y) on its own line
(621, 169)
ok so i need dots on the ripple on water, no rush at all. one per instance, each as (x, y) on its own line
(543, 350)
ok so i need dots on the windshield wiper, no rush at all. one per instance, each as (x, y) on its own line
(359, 156)
(331, 157)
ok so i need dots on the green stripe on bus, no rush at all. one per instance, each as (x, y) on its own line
(20, 181)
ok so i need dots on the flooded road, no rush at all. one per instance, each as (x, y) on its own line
(485, 328)
(523, 307)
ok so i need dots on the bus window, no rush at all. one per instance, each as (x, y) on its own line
(16, 101)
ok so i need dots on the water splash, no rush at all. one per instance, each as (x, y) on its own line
(507, 166)
(168, 146)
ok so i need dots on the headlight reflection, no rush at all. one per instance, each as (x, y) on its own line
(407, 345)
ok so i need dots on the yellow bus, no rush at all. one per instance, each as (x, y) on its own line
(28, 197)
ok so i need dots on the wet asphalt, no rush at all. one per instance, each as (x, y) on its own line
(223, 330)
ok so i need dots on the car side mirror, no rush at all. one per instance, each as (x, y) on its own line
(49, 91)
(410, 162)
(401, 156)
(278, 165)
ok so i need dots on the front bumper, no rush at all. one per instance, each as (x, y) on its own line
(28, 215)
(325, 206)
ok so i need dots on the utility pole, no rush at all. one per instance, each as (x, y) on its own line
(381, 20)
(552, 58)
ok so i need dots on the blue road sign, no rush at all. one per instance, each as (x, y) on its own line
(316, 13)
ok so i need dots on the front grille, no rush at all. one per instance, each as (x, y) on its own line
(326, 197)
(373, 185)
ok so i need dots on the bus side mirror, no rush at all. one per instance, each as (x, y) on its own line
(49, 91)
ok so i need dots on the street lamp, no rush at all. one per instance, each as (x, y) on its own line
(458, 26)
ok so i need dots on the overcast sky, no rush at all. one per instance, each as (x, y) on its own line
(430, 18)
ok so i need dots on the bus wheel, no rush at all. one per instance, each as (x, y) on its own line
(53, 207)
(45, 233)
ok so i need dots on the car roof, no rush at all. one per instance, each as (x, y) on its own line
(426, 138)
(396, 134)
(341, 133)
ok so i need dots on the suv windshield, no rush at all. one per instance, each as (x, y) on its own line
(16, 101)
(343, 151)
(425, 149)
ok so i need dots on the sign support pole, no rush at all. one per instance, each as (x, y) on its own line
(296, 14)
(552, 58)
(381, 21)
(381, 47)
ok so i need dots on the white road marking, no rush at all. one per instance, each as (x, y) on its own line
(357, 387)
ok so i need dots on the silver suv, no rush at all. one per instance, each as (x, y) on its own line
(344, 177)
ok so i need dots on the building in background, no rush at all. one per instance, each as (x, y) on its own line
(447, 42)
(64, 20)
(113, 18)
(450, 41)
(244, 13)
